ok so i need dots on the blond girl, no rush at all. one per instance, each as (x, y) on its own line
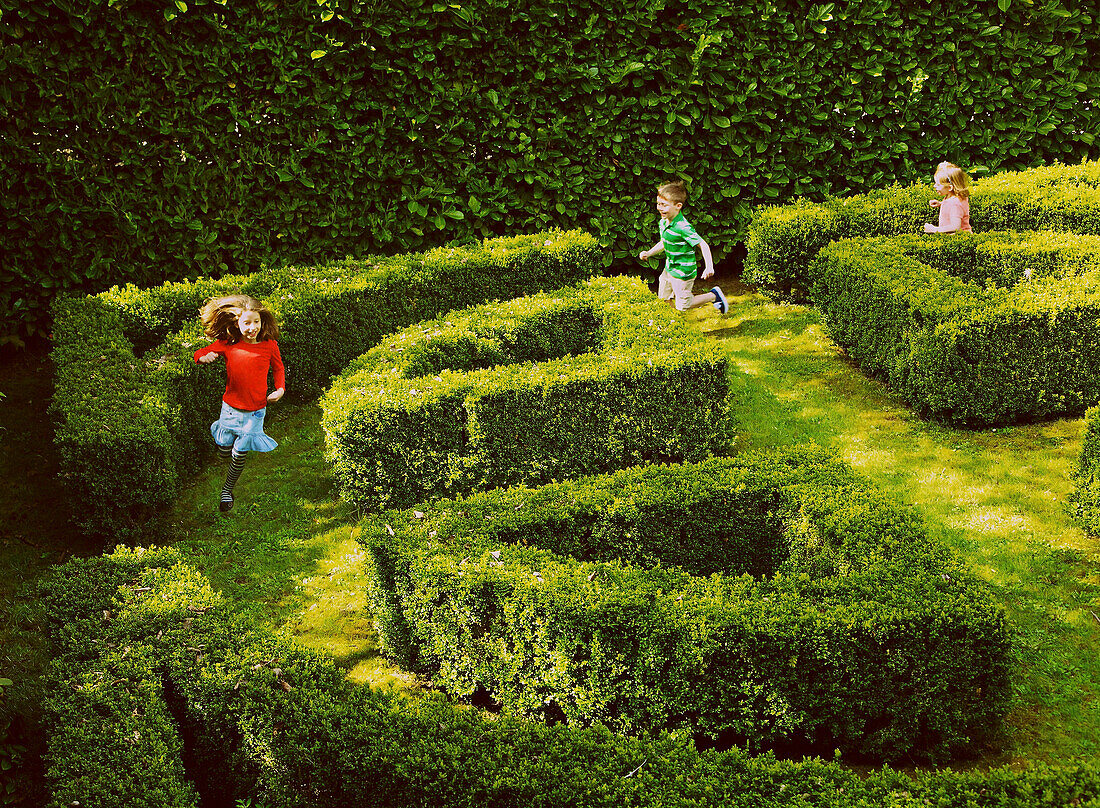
(953, 185)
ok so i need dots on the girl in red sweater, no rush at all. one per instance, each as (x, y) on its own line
(243, 331)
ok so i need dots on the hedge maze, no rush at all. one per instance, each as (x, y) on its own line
(563, 535)
(771, 598)
(134, 408)
(164, 699)
(980, 330)
(975, 330)
(783, 240)
(580, 381)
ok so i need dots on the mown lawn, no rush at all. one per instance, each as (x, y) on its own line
(287, 553)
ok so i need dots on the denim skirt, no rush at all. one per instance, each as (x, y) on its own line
(242, 430)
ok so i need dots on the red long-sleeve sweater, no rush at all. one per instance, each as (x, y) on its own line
(246, 365)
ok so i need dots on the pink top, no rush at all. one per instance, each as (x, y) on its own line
(954, 215)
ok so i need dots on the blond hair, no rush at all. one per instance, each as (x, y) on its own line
(674, 191)
(954, 178)
(219, 317)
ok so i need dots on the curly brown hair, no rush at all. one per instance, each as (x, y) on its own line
(219, 317)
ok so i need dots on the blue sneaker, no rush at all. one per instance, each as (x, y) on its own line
(719, 300)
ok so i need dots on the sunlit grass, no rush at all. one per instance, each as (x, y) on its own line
(286, 553)
(996, 495)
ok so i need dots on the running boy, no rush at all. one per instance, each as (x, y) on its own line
(678, 243)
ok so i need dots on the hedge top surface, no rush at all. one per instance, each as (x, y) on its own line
(949, 277)
(151, 314)
(586, 329)
(895, 209)
(860, 534)
(783, 239)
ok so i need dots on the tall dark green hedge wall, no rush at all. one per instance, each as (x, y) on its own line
(152, 139)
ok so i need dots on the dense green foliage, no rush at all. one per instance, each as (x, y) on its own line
(155, 652)
(1084, 502)
(146, 141)
(771, 598)
(783, 240)
(112, 739)
(135, 408)
(11, 753)
(978, 330)
(114, 721)
(578, 381)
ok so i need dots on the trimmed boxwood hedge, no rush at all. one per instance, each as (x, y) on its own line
(579, 381)
(112, 739)
(134, 408)
(956, 327)
(1084, 500)
(264, 719)
(783, 240)
(769, 598)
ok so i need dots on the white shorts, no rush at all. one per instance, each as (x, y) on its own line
(670, 288)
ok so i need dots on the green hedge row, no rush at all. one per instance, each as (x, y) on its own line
(112, 739)
(12, 750)
(783, 240)
(771, 598)
(574, 382)
(159, 673)
(134, 408)
(206, 137)
(1084, 500)
(957, 326)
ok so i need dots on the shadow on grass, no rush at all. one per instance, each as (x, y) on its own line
(286, 553)
(791, 322)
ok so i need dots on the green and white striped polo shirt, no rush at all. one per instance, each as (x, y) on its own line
(680, 241)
